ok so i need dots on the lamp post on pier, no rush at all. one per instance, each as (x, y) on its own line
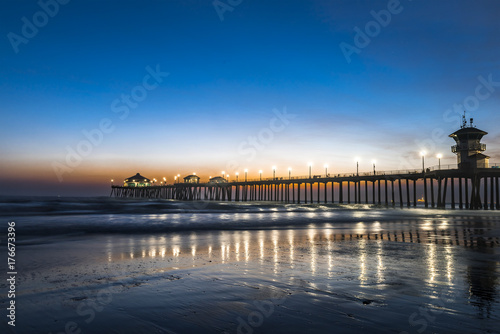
(326, 170)
(274, 172)
(357, 166)
(260, 173)
(289, 173)
(310, 169)
(246, 171)
(237, 176)
(374, 172)
(423, 161)
(439, 156)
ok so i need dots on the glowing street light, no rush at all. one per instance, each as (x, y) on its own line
(237, 176)
(112, 181)
(289, 172)
(310, 169)
(175, 179)
(223, 174)
(246, 171)
(423, 161)
(439, 156)
(274, 172)
(227, 176)
(165, 180)
(326, 170)
(260, 173)
(373, 163)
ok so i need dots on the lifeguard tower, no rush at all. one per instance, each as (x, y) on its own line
(469, 147)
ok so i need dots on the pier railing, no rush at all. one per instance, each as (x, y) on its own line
(448, 167)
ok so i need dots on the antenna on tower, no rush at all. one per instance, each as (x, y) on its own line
(471, 120)
(464, 121)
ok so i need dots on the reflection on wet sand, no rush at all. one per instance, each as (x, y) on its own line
(244, 245)
(320, 250)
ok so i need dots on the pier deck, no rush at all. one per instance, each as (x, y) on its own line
(454, 188)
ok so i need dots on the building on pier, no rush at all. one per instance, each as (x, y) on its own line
(137, 180)
(192, 179)
(217, 179)
(468, 147)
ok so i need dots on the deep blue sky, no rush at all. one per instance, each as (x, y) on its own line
(393, 99)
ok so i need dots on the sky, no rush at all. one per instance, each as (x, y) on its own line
(99, 90)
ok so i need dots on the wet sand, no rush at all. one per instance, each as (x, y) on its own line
(417, 276)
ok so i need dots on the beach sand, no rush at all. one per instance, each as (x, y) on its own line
(415, 276)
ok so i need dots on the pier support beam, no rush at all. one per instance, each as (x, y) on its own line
(452, 191)
(497, 193)
(341, 192)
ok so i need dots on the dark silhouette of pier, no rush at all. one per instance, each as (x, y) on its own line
(478, 189)
(471, 184)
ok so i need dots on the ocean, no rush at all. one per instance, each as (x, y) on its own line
(59, 215)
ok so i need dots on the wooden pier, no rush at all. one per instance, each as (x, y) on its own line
(451, 188)
(471, 184)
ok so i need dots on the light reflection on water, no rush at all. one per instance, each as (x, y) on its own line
(436, 253)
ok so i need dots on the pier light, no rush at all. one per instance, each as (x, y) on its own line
(227, 177)
(260, 173)
(175, 179)
(194, 173)
(246, 171)
(165, 179)
(112, 181)
(223, 173)
(373, 163)
(439, 156)
(357, 165)
(274, 172)
(326, 170)
(422, 153)
(289, 172)
(310, 164)
(237, 176)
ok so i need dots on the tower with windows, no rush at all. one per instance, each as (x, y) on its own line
(468, 146)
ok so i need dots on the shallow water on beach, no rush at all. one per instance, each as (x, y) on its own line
(313, 269)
